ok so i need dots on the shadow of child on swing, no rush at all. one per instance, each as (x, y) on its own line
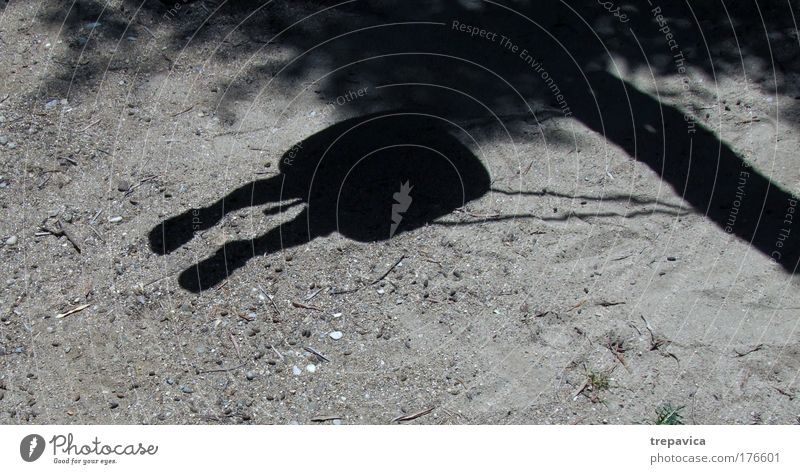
(367, 178)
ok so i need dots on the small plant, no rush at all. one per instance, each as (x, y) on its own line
(598, 381)
(669, 414)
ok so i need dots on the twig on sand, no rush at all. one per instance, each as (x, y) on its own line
(388, 271)
(63, 231)
(413, 416)
(277, 352)
(581, 389)
(785, 393)
(141, 182)
(148, 30)
(220, 370)
(274, 306)
(576, 306)
(298, 304)
(183, 111)
(617, 348)
(385, 274)
(89, 126)
(236, 345)
(73, 311)
(312, 295)
(749, 351)
(477, 215)
(321, 418)
(317, 353)
(606, 304)
(657, 342)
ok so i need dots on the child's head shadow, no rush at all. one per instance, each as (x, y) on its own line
(368, 178)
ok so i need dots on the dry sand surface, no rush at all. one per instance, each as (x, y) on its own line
(577, 281)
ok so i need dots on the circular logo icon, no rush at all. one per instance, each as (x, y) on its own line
(31, 447)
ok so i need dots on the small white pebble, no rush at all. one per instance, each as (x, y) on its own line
(115, 219)
(11, 240)
(311, 368)
(336, 335)
(296, 370)
(337, 315)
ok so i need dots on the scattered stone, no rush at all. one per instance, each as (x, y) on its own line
(113, 405)
(185, 389)
(296, 370)
(250, 375)
(671, 259)
(3, 139)
(11, 240)
(115, 219)
(311, 368)
(123, 186)
(336, 335)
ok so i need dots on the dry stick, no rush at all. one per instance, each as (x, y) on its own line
(413, 416)
(270, 300)
(312, 295)
(750, 351)
(89, 126)
(581, 389)
(97, 234)
(477, 215)
(65, 233)
(183, 111)
(73, 311)
(148, 30)
(581, 303)
(341, 292)
(236, 345)
(317, 353)
(785, 393)
(614, 350)
(657, 342)
(141, 182)
(654, 342)
(276, 351)
(606, 304)
(161, 278)
(326, 418)
(220, 370)
(298, 304)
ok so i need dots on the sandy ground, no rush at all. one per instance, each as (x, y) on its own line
(606, 299)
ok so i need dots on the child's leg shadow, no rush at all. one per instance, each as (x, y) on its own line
(176, 231)
(234, 255)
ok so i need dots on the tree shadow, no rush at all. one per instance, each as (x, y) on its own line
(482, 60)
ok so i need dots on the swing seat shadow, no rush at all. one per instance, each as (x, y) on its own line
(368, 178)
